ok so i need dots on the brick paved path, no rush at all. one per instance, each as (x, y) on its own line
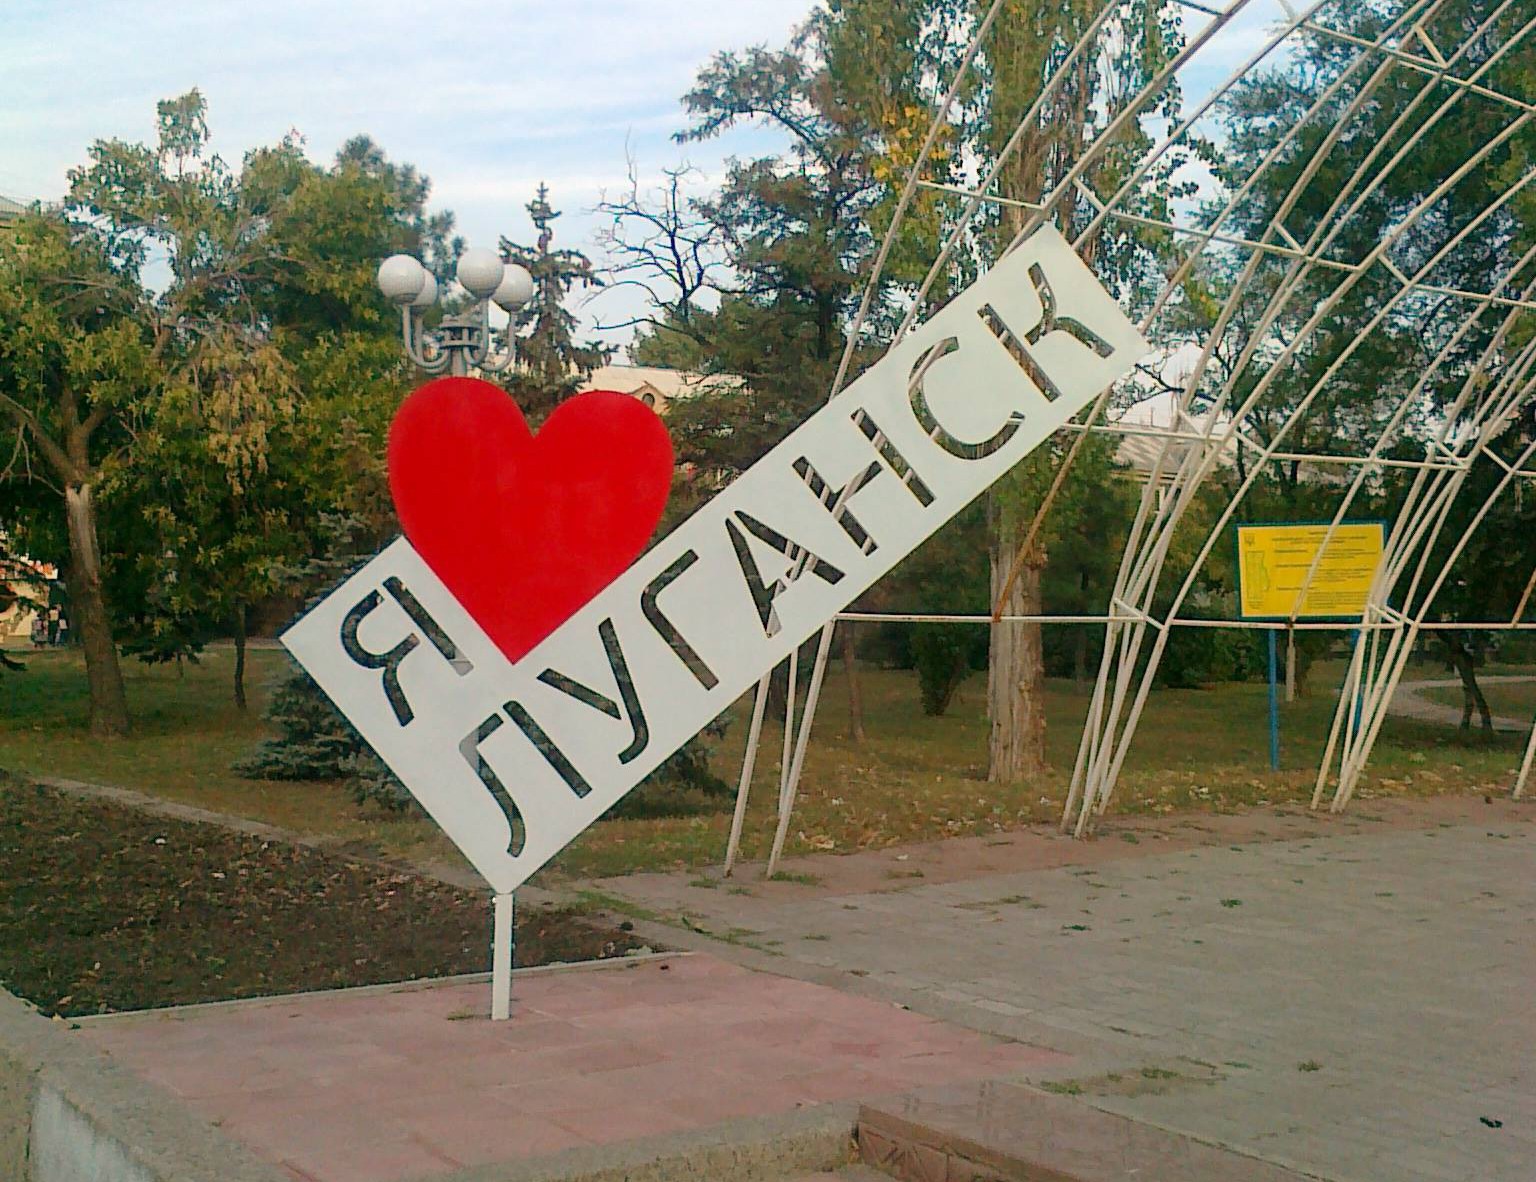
(385, 1084)
(1361, 1007)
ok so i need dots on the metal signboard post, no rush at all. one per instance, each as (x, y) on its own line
(1303, 571)
(514, 760)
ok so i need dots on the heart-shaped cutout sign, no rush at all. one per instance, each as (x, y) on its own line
(524, 529)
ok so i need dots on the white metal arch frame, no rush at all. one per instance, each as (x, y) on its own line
(1104, 745)
(1470, 425)
(1377, 666)
(1112, 722)
(792, 763)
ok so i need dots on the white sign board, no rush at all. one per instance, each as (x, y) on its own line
(513, 761)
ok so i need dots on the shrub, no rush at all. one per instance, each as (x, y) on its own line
(1200, 656)
(684, 785)
(316, 742)
(942, 655)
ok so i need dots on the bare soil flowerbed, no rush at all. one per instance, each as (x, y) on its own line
(106, 908)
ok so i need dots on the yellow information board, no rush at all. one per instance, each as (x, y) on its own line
(1273, 562)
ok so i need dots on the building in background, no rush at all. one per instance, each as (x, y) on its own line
(26, 595)
(657, 388)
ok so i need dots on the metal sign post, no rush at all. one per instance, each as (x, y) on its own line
(1274, 704)
(503, 954)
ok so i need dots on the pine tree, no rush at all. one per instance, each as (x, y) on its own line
(314, 740)
(553, 364)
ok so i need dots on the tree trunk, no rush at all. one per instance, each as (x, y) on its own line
(240, 655)
(778, 693)
(1305, 655)
(1016, 655)
(957, 673)
(855, 687)
(109, 703)
(1471, 692)
(1016, 668)
(1080, 635)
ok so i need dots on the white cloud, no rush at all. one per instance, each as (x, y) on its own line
(1244, 37)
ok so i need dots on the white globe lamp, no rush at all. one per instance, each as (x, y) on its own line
(427, 296)
(479, 272)
(401, 279)
(516, 288)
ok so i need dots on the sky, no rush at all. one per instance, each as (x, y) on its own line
(487, 97)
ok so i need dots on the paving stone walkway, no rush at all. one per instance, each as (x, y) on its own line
(381, 1085)
(1359, 1007)
(1410, 701)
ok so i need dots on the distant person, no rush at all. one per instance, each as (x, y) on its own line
(39, 632)
(63, 635)
(53, 625)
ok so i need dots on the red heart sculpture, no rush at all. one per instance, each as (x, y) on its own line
(525, 529)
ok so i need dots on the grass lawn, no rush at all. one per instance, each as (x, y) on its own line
(916, 777)
(187, 731)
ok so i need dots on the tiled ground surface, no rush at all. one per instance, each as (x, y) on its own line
(1011, 1131)
(375, 1087)
(1360, 1007)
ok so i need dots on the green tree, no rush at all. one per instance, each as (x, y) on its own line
(794, 230)
(272, 276)
(224, 385)
(946, 576)
(314, 740)
(855, 93)
(77, 370)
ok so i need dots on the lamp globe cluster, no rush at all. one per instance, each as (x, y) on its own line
(407, 284)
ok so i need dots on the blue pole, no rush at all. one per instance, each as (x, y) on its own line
(1274, 705)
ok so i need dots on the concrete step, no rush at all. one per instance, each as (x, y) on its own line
(1002, 1132)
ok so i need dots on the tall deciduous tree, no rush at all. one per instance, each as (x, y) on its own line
(271, 275)
(77, 368)
(188, 432)
(1025, 59)
(855, 93)
(797, 240)
(218, 380)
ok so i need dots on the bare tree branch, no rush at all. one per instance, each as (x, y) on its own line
(662, 243)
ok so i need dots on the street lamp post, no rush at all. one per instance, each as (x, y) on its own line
(465, 341)
(457, 345)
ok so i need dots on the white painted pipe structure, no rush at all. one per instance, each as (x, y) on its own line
(1260, 335)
